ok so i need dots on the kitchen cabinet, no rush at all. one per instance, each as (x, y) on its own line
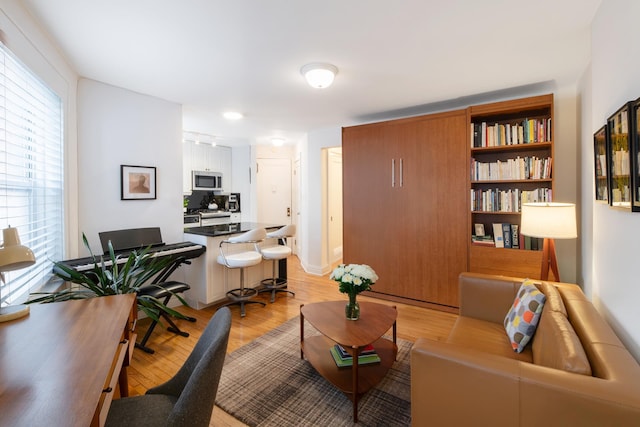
(204, 157)
(406, 203)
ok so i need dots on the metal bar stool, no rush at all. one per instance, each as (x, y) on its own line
(275, 253)
(242, 260)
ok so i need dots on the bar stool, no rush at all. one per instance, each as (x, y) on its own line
(276, 253)
(242, 260)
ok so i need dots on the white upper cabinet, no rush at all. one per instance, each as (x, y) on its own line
(204, 157)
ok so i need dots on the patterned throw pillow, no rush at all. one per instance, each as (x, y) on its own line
(521, 321)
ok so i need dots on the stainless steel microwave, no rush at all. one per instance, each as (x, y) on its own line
(205, 180)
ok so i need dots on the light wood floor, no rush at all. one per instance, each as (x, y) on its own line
(148, 370)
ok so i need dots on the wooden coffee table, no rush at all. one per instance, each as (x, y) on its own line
(329, 319)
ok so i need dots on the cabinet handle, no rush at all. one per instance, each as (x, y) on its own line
(393, 173)
(401, 174)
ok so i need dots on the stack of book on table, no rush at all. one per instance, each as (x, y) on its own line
(343, 358)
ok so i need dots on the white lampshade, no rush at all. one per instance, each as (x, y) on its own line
(13, 255)
(549, 220)
(319, 75)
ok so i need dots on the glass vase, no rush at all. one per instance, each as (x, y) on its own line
(352, 309)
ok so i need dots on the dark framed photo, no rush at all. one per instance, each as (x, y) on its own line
(620, 129)
(601, 164)
(635, 158)
(137, 182)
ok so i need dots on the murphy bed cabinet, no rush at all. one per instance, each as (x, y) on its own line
(405, 192)
(518, 148)
(410, 196)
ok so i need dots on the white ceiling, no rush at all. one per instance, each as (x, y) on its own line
(245, 55)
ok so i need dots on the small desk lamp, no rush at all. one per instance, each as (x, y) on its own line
(549, 221)
(13, 256)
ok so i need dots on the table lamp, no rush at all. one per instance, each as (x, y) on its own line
(13, 256)
(549, 221)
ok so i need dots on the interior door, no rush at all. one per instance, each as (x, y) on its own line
(273, 180)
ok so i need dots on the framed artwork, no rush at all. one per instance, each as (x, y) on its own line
(601, 166)
(137, 182)
(619, 130)
(635, 158)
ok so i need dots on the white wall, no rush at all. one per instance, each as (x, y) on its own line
(23, 36)
(119, 127)
(616, 233)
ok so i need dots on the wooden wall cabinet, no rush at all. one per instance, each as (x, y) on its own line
(411, 188)
(405, 204)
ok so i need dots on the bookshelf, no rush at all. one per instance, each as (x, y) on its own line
(511, 162)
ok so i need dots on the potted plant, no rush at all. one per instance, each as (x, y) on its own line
(102, 280)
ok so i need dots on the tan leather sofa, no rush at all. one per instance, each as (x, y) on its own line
(576, 375)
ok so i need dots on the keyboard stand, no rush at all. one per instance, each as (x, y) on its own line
(161, 288)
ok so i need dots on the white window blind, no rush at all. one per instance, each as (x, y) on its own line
(31, 172)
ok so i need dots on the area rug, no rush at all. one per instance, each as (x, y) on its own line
(265, 383)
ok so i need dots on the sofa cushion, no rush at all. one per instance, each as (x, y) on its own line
(557, 346)
(487, 337)
(522, 319)
(553, 300)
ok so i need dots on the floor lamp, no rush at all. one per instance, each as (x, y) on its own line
(13, 256)
(549, 221)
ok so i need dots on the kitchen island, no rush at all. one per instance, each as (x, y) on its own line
(211, 281)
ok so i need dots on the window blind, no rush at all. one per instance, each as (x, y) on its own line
(31, 172)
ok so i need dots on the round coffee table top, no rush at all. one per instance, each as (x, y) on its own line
(329, 319)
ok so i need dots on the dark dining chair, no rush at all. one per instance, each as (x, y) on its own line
(187, 399)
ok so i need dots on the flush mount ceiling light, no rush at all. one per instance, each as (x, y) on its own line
(319, 75)
(278, 142)
(232, 115)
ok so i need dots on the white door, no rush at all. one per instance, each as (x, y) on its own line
(295, 205)
(273, 183)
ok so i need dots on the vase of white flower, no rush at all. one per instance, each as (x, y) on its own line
(353, 279)
(352, 309)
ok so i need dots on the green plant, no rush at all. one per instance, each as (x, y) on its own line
(139, 268)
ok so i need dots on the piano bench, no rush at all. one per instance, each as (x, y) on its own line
(163, 290)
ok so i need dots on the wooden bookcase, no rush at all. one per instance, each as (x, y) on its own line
(511, 164)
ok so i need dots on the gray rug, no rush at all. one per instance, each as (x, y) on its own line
(265, 383)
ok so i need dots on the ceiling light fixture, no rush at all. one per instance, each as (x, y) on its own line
(232, 115)
(278, 142)
(319, 75)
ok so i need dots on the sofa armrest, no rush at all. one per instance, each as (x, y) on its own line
(487, 296)
(454, 385)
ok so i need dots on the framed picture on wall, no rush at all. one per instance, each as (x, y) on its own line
(137, 182)
(635, 158)
(601, 164)
(619, 130)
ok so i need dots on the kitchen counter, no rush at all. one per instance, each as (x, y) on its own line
(211, 281)
(228, 229)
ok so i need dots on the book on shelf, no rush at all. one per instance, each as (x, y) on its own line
(342, 358)
(515, 236)
(514, 133)
(498, 238)
(506, 235)
(482, 240)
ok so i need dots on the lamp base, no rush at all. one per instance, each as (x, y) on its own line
(13, 312)
(549, 260)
